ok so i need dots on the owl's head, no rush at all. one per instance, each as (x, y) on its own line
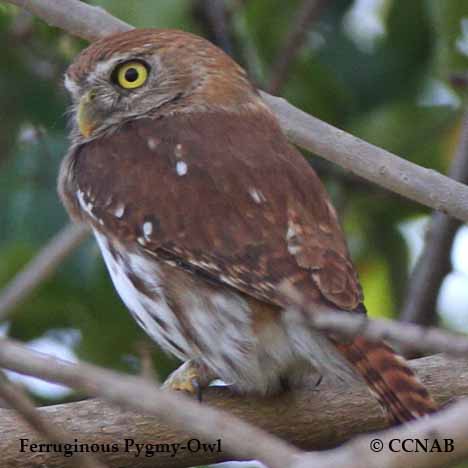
(147, 72)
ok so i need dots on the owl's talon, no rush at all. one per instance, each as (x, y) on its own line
(319, 381)
(191, 377)
(198, 388)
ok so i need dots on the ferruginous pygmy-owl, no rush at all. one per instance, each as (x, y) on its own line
(201, 208)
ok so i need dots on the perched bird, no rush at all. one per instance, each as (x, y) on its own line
(201, 209)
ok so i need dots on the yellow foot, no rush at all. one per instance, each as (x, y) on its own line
(191, 377)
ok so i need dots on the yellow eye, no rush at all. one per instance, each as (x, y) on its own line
(131, 75)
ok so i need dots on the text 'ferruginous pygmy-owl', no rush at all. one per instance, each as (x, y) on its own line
(201, 208)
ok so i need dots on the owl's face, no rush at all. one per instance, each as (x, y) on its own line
(145, 73)
(126, 85)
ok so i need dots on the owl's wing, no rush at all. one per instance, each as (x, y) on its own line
(224, 196)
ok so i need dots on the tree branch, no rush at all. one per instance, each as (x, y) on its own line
(450, 425)
(409, 336)
(41, 267)
(434, 263)
(375, 164)
(425, 186)
(79, 19)
(297, 416)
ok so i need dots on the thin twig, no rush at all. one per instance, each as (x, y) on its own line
(434, 263)
(40, 267)
(82, 20)
(21, 403)
(409, 336)
(425, 186)
(308, 12)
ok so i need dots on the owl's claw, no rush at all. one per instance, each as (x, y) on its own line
(191, 377)
(319, 381)
(198, 389)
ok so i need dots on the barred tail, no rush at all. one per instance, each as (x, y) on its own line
(389, 376)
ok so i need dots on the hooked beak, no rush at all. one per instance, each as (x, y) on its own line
(88, 116)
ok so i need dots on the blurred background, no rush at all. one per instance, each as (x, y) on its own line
(393, 72)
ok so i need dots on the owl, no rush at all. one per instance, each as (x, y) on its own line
(201, 209)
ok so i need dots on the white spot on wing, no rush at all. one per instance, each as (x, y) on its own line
(181, 168)
(87, 207)
(294, 249)
(152, 143)
(293, 241)
(178, 151)
(147, 229)
(256, 195)
(291, 231)
(119, 210)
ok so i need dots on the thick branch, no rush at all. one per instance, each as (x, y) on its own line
(311, 418)
(425, 186)
(434, 263)
(449, 426)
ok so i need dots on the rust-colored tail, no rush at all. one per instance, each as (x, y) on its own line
(389, 376)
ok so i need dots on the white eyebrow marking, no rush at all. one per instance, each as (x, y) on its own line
(103, 69)
(71, 85)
